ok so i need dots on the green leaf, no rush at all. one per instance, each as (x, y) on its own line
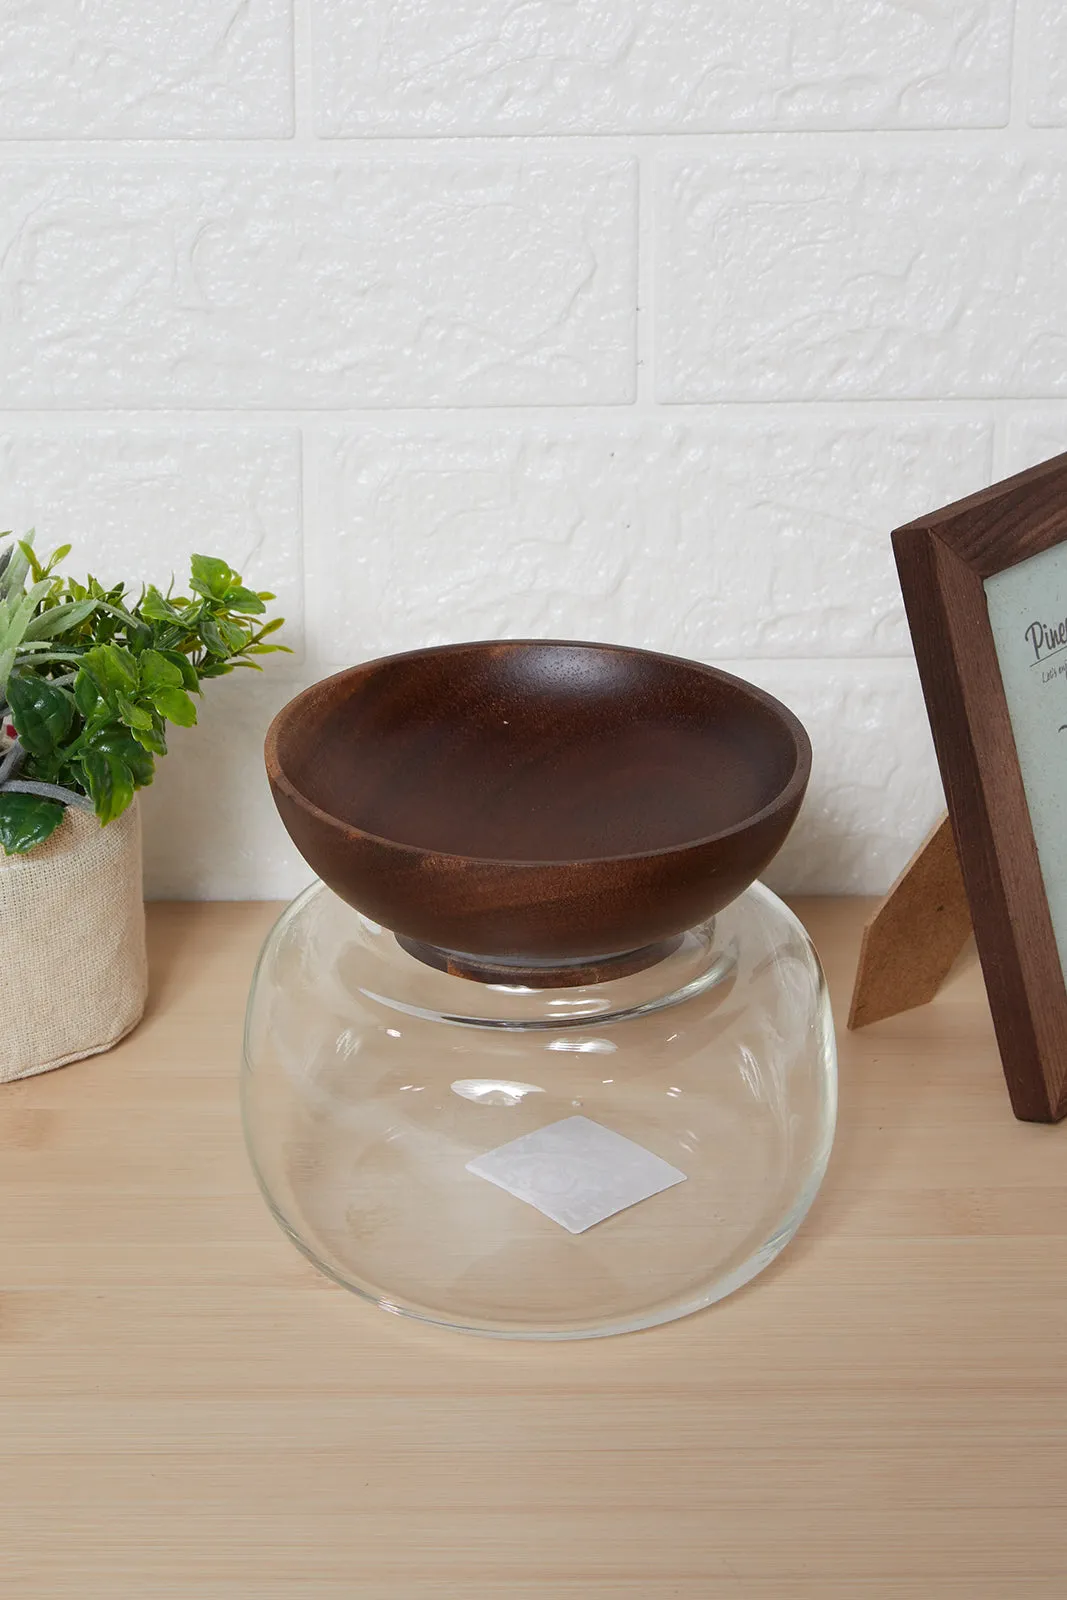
(212, 578)
(26, 820)
(110, 782)
(29, 556)
(116, 741)
(212, 638)
(60, 619)
(156, 608)
(113, 670)
(38, 655)
(159, 672)
(176, 705)
(189, 675)
(19, 565)
(235, 636)
(42, 714)
(246, 602)
(112, 604)
(133, 716)
(140, 638)
(16, 614)
(86, 694)
(152, 739)
(215, 669)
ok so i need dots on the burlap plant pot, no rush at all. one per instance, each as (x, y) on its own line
(72, 944)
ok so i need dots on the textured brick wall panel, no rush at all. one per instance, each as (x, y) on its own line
(634, 319)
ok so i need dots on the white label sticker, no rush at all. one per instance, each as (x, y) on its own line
(576, 1172)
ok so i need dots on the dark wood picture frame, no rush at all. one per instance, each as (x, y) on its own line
(943, 561)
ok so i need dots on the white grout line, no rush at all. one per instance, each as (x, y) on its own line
(33, 419)
(907, 143)
(1020, 70)
(645, 227)
(998, 469)
(303, 79)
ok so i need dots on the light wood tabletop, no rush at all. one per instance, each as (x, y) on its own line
(188, 1410)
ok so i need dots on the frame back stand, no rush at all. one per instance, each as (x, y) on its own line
(916, 934)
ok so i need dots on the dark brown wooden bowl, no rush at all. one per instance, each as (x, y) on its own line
(553, 812)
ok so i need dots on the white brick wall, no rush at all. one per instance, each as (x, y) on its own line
(628, 319)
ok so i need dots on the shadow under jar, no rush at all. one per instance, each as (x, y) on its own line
(537, 1058)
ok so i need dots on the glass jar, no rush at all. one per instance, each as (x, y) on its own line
(539, 1163)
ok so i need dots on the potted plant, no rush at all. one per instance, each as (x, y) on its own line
(89, 680)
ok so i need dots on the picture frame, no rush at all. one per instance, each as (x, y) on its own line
(984, 583)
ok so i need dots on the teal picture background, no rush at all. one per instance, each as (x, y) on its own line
(1028, 615)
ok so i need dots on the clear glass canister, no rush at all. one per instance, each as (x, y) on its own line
(539, 1163)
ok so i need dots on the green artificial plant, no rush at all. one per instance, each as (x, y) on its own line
(89, 680)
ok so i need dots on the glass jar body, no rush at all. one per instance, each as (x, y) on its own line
(371, 1082)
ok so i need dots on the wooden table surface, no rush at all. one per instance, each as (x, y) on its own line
(188, 1410)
